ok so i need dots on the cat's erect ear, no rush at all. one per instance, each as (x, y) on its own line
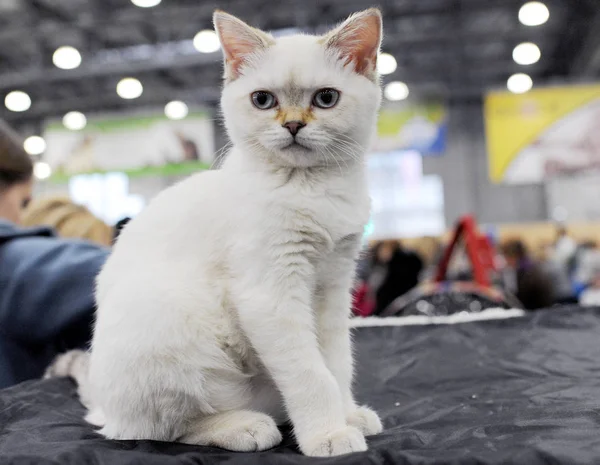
(357, 40)
(239, 41)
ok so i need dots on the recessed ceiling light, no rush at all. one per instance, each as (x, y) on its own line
(207, 41)
(146, 3)
(519, 83)
(17, 101)
(34, 145)
(66, 57)
(42, 170)
(386, 63)
(526, 53)
(74, 120)
(534, 14)
(395, 91)
(176, 110)
(129, 88)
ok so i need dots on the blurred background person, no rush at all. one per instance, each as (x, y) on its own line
(431, 251)
(565, 250)
(590, 296)
(190, 148)
(525, 278)
(562, 285)
(587, 274)
(68, 219)
(394, 271)
(46, 283)
(16, 175)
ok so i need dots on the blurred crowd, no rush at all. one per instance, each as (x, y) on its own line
(562, 272)
(558, 273)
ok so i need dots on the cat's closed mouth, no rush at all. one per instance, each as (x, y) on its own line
(296, 144)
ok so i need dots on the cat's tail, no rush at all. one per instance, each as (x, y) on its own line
(75, 364)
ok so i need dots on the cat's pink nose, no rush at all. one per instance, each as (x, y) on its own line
(294, 126)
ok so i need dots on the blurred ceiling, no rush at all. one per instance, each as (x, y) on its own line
(454, 49)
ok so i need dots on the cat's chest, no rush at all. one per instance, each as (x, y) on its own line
(328, 214)
(342, 215)
(303, 213)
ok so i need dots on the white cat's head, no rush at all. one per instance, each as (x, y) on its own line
(302, 100)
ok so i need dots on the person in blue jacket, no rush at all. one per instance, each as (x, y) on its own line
(46, 283)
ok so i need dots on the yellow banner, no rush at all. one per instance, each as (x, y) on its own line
(542, 133)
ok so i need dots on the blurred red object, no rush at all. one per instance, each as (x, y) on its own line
(479, 250)
(364, 304)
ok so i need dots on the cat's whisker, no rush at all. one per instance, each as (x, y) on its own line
(349, 148)
(223, 149)
(352, 149)
(346, 150)
(322, 152)
(218, 156)
(350, 152)
(220, 153)
(344, 158)
(252, 144)
(350, 139)
(332, 153)
(347, 140)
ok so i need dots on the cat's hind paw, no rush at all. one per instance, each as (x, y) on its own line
(340, 442)
(365, 420)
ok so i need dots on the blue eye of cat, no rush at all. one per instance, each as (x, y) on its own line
(326, 98)
(263, 100)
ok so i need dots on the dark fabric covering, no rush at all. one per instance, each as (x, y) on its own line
(447, 298)
(519, 391)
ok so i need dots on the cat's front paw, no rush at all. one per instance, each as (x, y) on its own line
(239, 431)
(340, 442)
(365, 420)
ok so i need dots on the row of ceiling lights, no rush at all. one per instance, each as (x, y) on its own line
(530, 14)
(128, 88)
(533, 13)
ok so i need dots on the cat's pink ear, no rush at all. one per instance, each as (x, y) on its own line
(239, 41)
(358, 40)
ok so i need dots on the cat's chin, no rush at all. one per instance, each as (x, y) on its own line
(298, 155)
(296, 146)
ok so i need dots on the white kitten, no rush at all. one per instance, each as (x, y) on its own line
(224, 307)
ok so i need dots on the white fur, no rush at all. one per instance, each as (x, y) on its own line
(224, 308)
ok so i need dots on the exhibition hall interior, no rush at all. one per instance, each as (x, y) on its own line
(476, 295)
